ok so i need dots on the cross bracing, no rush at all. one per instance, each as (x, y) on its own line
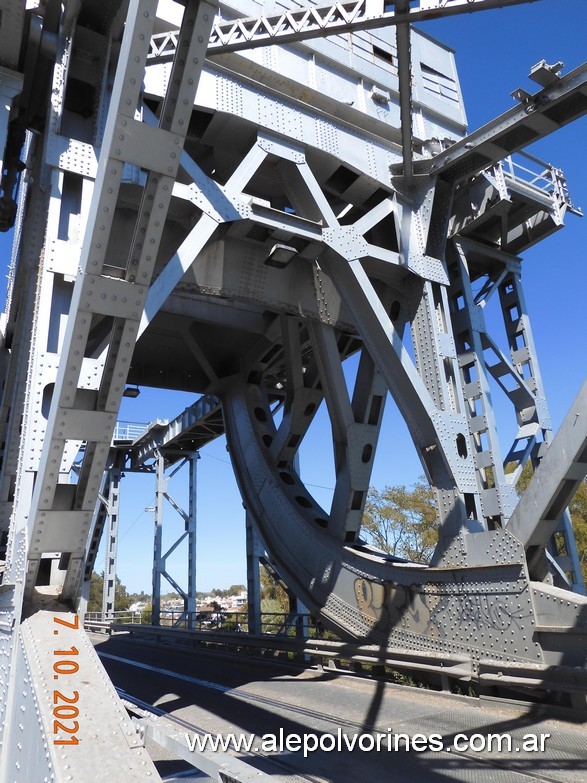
(240, 225)
(297, 24)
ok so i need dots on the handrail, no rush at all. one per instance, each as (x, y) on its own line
(550, 180)
(129, 430)
(277, 624)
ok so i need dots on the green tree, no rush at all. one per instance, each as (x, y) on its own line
(578, 509)
(121, 600)
(96, 591)
(141, 597)
(230, 591)
(274, 599)
(402, 521)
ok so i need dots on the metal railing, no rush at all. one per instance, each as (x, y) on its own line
(548, 180)
(283, 624)
(129, 430)
(514, 168)
(117, 617)
(400, 664)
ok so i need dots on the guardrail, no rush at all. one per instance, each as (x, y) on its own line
(354, 657)
(129, 430)
(337, 653)
(272, 623)
(549, 180)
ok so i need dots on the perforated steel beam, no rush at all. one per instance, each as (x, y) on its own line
(105, 733)
(364, 596)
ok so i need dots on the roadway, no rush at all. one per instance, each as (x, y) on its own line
(220, 694)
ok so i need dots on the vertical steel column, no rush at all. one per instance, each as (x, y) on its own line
(518, 377)
(10, 86)
(158, 560)
(191, 524)
(525, 360)
(295, 605)
(436, 361)
(159, 557)
(112, 508)
(498, 498)
(255, 551)
(302, 624)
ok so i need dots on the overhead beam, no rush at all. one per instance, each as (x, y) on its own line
(319, 21)
(534, 118)
(197, 425)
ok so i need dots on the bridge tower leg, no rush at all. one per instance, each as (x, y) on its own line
(77, 164)
(190, 520)
(158, 562)
(191, 529)
(255, 550)
(112, 504)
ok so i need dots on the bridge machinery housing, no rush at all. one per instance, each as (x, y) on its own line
(217, 205)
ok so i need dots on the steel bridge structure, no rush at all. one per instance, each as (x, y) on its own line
(244, 203)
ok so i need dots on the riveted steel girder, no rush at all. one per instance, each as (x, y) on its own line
(96, 294)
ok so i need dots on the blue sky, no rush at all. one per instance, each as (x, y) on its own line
(495, 51)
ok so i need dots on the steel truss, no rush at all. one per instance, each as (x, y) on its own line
(159, 558)
(317, 21)
(226, 226)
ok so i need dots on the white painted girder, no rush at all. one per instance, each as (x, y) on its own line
(158, 150)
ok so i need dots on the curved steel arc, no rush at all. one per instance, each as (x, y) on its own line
(360, 594)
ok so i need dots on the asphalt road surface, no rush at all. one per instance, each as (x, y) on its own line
(223, 695)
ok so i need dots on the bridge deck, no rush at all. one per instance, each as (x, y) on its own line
(221, 695)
